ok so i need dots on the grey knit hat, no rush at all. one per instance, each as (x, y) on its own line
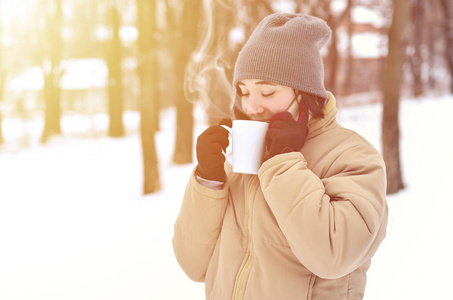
(284, 49)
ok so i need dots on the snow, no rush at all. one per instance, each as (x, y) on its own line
(338, 6)
(364, 45)
(78, 74)
(366, 15)
(31, 79)
(283, 6)
(74, 225)
(82, 74)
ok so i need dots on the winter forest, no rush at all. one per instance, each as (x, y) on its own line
(101, 103)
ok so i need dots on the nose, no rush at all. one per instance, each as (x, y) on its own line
(254, 106)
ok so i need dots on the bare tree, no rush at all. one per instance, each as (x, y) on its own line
(392, 82)
(52, 70)
(323, 10)
(349, 63)
(416, 43)
(184, 108)
(447, 9)
(115, 85)
(147, 64)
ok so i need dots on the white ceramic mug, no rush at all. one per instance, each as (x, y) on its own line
(248, 139)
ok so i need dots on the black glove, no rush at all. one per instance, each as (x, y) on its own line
(286, 134)
(209, 151)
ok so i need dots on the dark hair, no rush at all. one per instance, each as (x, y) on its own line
(315, 104)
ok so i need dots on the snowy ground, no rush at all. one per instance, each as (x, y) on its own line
(74, 225)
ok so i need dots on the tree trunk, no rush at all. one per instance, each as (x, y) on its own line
(415, 58)
(184, 108)
(323, 10)
(432, 53)
(349, 64)
(393, 77)
(52, 70)
(332, 60)
(147, 63)
(115, 86)
(447, 8)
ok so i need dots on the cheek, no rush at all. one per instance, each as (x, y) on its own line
(280, 105)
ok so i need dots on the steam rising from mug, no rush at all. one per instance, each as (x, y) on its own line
(205, 77)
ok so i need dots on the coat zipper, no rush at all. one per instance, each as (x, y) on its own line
(248, 263)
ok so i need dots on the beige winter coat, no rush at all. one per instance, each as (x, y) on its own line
(305, 227)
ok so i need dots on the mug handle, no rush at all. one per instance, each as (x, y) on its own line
(229, 156)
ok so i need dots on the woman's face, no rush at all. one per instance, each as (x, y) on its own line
(261, 99)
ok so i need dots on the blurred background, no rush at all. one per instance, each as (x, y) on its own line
(101, 100)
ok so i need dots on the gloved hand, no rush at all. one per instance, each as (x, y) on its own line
(209, 151)
(286, 134)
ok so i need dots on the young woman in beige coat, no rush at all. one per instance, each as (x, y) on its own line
(307, 225)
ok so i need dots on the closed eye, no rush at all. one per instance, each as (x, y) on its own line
(268, 94)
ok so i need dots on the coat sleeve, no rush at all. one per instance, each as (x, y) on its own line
(334, 224)
(198, 226)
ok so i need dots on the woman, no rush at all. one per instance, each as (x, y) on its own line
(308, 224)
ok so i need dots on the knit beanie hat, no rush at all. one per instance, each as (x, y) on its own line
(284, 49)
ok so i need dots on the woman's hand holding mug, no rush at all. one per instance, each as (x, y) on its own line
(210, 145)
